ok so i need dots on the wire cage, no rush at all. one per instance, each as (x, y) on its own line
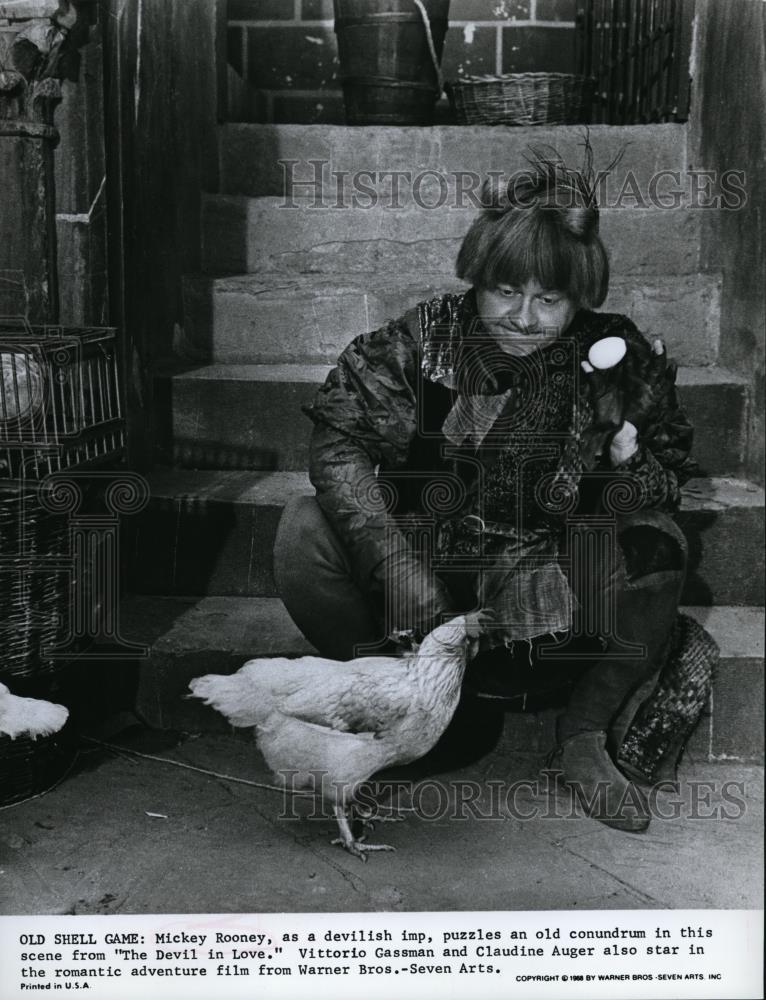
(60, 408)
(59, 399)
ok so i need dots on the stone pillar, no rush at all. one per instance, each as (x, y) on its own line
(28, 218)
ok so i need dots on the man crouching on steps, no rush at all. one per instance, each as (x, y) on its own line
(507, 448)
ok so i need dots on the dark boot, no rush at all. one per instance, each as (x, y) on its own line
(602, 790)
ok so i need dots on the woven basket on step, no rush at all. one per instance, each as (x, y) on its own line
(522, 99)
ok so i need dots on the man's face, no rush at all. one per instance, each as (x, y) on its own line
(521, 318)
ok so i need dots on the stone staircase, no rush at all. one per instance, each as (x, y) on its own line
(288, 282)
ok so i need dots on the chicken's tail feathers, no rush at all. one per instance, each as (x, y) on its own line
(30, 717)
(206, 688)
(225, 695)
(50, 720)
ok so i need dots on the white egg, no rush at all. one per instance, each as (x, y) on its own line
(607, 353)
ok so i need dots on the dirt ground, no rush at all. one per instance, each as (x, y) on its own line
(126, 834)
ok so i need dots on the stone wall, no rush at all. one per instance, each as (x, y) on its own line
(729, 134)
(283, 64)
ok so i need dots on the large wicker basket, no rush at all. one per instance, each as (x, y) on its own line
(29, 766)
(522, 99)
(34, 591)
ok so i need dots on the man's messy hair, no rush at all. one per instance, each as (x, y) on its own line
(541, 225)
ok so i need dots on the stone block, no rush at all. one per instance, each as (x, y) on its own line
(684, 310)
(738, 698)
(259, 320)
(196, 538)
(256, 409)
(716, 403)
(417, 226)
(736, 722)
(687, 321)
(726, 546)
(712, 527)
(250, 155)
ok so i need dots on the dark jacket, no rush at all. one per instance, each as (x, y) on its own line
(378, 445)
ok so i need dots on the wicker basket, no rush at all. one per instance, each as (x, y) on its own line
(522, 99)
(29, 767)
(34, 591)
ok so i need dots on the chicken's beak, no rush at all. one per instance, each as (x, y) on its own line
(477, 624)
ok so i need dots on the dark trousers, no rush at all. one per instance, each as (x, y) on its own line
(639, 580)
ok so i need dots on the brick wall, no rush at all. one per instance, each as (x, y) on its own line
(283, 62)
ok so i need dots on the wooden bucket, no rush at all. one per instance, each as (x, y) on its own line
(387, 69)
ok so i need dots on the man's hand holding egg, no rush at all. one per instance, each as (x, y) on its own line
(625, 415)
(605, 353)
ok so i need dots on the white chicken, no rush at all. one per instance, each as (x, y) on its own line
(347, 720)
(29, 716)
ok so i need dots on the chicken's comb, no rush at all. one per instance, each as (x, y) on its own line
(478, 622)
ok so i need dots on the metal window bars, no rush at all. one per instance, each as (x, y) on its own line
(638, 52)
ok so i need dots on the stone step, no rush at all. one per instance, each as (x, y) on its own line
(193, 636)
(253, 411)
(263, 234)
(208, 532)
(291, 318)
(251, 156)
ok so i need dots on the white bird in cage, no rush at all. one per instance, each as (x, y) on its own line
(22, 386)
(30, 717)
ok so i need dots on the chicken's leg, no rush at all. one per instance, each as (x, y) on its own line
(357, 847)
(368, 817)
